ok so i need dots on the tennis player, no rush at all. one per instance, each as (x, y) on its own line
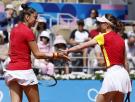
(116, 82)
(19, 75)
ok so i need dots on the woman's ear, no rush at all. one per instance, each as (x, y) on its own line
(108, 25)
(27, 17)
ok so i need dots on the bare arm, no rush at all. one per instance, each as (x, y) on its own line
(126, 62)
(37, 53)
(83, 45)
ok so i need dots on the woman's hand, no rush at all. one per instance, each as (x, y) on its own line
(59, 55)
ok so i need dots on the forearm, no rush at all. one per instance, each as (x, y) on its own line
(37, 54)
(41, 55)
(75, 48)
(126, 65)
(82, 46)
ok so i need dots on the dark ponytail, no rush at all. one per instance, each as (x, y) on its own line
(117, 25)
(26, 11)
(24, 6)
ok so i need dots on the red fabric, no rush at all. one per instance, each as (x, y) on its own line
(19, 52)
(93, 33)
(115, 48)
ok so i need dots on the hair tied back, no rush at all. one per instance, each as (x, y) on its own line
(24, 6)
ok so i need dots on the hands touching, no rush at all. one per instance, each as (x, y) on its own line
(61, 54)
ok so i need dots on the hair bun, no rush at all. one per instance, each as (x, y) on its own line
(24, 6)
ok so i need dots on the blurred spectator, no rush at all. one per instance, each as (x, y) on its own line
(41, 26)
(1, 37)
(3, 51)
(97, 60)
(1, 42)
(60, 44)
(122, 31)
(25, 1)
(18, 16)
(7, 20)
(46, 66)
(130, 49)
(133, 30)
(3, 47)
(96, 31)
(79, 35)
(90, 22)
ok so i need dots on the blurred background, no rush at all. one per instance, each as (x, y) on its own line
(66, 23)
(64, 18)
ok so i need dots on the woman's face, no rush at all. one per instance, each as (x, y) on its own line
(45, 40)
(41, 26)
(10, 13)
(103, 26)
(80, 27)
(93, 14)
(60, 46)
(31, 19)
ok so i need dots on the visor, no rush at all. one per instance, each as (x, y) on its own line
(103, 19)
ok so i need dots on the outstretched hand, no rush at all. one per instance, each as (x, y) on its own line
(58, 55)
(64, 52)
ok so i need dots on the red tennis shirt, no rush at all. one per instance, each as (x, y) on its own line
(113, 48)
(19, 50)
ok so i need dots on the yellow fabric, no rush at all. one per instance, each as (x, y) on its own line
(100, 39)
(106, 57)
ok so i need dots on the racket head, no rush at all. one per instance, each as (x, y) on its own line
(49, 81)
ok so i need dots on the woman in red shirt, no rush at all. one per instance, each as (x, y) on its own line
(19, 75)
(116, 81)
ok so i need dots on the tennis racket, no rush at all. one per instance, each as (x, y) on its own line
(127, 99)
(49, 81)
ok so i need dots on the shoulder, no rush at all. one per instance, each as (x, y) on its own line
(110, 34)
(25, 28)
(74, 30)
(25, 31)
(88, 19)
(100, 39)
(85, 30)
